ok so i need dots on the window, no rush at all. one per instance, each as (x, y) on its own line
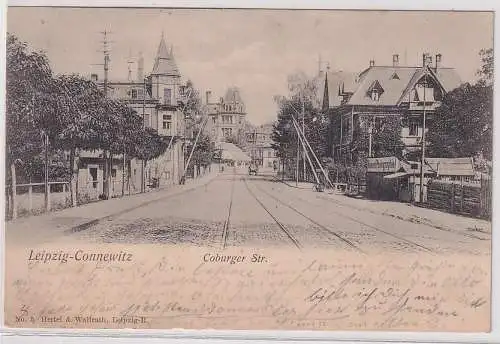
(167, 122)
(227, 132)
(213, 119)
(113, 173)
(140, 92)
(425, 92)
(379, 123)
(93, 176)
(134, 94)
(395, 76)
(375, 95)
(167, 96)
(413, 127)
(227, 119)
(269, 154)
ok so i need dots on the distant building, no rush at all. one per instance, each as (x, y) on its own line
(157, 98)
(226, 116)
(360, 102)
(260, 146)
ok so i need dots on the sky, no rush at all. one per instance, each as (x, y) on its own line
(254, 50)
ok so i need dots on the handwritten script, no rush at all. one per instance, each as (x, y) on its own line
(171, 287)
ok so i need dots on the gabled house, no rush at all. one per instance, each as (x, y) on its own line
(362, 102)
(157, 98)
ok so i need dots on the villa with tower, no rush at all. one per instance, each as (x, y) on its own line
(156, 97)
(226, 116)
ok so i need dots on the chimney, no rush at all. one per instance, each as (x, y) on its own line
(93, 77)
(207, 96)
(395, 60)
(426, 60)
(372, 63)
(140, 68)
(437, 63)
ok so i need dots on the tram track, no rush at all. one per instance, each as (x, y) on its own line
(284, 229)
(416, 245)
(345, 241)
(227, 221)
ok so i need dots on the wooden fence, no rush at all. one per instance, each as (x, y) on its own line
(472, 199)
(29, 199)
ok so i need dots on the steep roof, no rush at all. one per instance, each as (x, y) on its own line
(164, 61)
(396, 81)
(338, 81)
(452, 166)
(233, 95)
(393, 86)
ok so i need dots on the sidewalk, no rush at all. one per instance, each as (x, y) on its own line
(56, 223)
(410, 213)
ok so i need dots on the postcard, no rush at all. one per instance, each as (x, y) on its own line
(248, 169)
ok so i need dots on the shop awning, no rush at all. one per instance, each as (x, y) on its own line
(396, 175)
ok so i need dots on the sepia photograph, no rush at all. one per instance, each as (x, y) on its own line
(248, 169)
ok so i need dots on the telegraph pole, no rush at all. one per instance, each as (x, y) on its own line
(129, 62)
(105, 50)
(423, 136)
(107, 165)
(144, 127)
(303, 146)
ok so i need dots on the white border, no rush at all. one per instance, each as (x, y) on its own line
(177, 336)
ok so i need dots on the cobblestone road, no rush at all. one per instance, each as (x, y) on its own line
(235, 209)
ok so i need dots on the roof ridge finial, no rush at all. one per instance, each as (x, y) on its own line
(162, 34)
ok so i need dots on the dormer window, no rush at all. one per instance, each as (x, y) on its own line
(395, 76)
(375, 91)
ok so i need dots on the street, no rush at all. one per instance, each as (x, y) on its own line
(235, 209)
(176, 248)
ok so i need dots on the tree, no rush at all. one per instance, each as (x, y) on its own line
(386, 138)
(303, 105)
(486, 71)
(202, 153)
(463, 124)
(28, 75)
(190, 101)
(285, 137)
(81, 106)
